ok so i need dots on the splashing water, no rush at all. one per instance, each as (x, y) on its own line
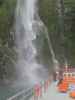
(27, 66)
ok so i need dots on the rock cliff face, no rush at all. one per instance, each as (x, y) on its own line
(61, 28)
(7, 54)
(49, 12)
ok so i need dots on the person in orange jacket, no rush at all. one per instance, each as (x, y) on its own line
(63, 86)
(72, 94)
(72, 91)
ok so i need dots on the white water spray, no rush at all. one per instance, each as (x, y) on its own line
(27, 65)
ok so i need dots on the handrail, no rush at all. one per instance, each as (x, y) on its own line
(22, 94)
(25, 95)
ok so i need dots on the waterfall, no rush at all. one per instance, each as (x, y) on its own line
(27, 66)
(55, 61)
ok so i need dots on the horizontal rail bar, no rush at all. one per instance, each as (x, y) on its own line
(14, 97)
(31, 92)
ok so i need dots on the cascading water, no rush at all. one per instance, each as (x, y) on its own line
(55, 61)
(27, 66)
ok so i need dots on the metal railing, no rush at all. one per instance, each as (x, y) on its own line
(22, 95)
(31, 92)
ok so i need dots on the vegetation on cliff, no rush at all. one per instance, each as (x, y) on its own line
(7, 54)
(59, 17)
